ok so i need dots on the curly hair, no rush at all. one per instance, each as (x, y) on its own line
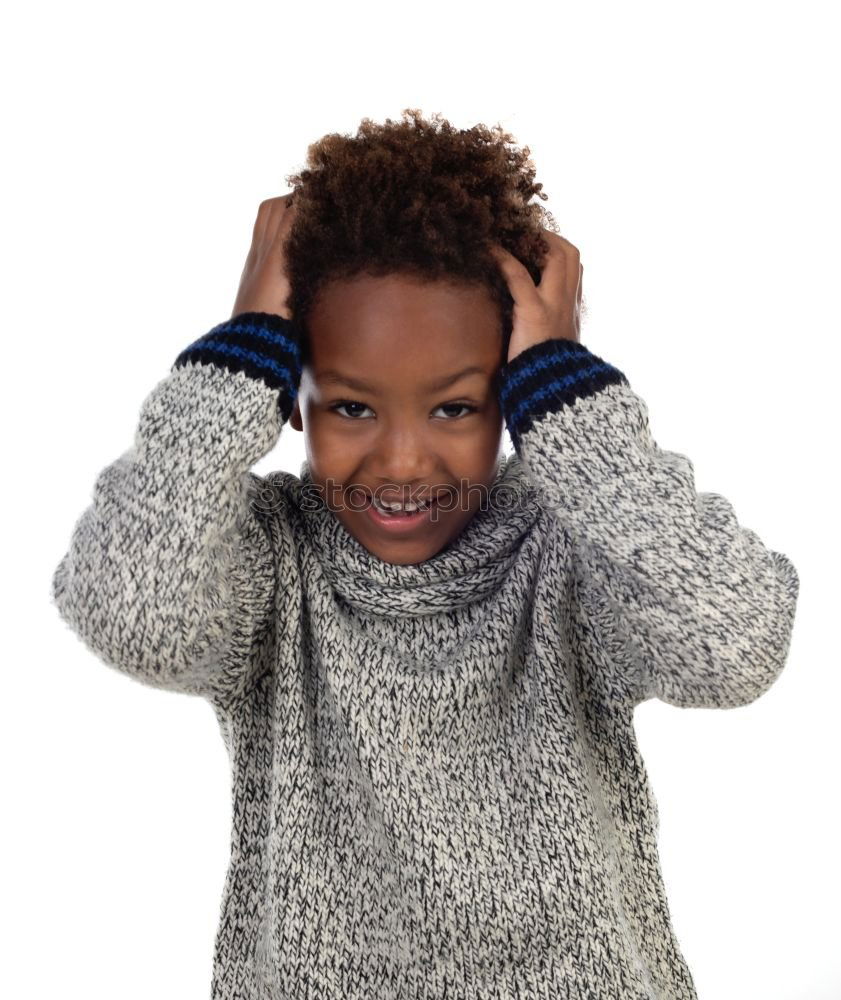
(418, 197)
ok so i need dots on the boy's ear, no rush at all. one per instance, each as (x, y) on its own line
(295, 417)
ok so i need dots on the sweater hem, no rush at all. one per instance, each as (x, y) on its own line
(262, 346)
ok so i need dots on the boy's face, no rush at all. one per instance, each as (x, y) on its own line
(399, 436)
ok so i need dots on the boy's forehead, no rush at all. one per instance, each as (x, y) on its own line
(377, 353)
(426, 379)
(371, 331)
(396, 303)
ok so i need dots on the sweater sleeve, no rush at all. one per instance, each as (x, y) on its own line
(171, 575)
(697, 609)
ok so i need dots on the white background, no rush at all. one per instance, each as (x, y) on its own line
(689, 151)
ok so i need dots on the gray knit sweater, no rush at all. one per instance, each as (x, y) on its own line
(437, 791)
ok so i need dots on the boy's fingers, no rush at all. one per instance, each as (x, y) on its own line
(274, 220)
(260, 224)
(562, 272)
(520, 282)
(268, 219)
(285, 218)
(289, 211)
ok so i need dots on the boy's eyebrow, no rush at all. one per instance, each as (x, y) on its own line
(330, 375)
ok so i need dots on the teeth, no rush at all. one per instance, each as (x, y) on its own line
(408, 507)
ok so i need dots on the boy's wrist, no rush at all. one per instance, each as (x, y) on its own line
(264, 346)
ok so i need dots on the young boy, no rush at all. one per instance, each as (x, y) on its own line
(437, 787)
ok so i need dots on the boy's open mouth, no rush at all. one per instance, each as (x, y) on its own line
(396, 509)
(398, 519)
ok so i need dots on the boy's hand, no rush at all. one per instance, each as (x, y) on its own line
(551, 309)
(264, 286)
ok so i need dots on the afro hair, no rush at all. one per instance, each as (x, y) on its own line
(417, 197)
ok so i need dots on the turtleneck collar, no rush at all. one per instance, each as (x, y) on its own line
(471, 567)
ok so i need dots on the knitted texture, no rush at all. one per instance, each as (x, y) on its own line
(437, 790)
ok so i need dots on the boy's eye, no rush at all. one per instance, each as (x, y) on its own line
(458, 406)
(348, 403)
(339, 406)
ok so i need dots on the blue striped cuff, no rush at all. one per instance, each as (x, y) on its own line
(262, 345)
(547, 376)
